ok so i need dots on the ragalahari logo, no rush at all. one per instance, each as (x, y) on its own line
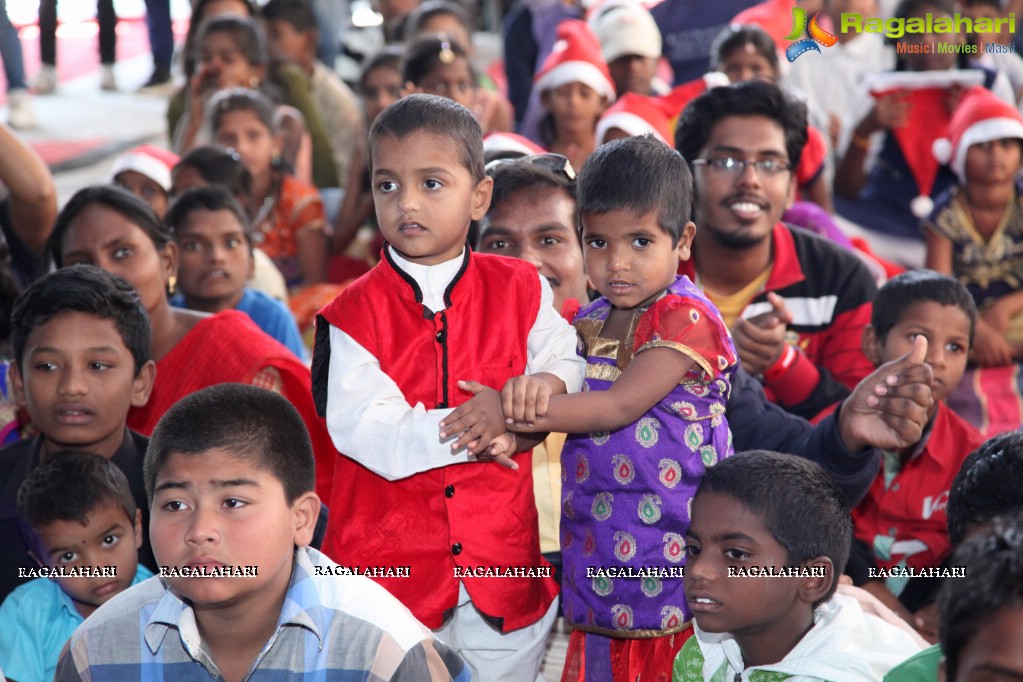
(815, 35)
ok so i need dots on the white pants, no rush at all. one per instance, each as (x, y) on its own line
(492, 655)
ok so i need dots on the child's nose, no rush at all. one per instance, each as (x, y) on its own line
(72, 382)
(202, 529)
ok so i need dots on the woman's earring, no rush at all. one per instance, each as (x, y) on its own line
(254, 82)
(172, 285)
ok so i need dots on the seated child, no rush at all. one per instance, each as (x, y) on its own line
(215, 165)
(986, 487)
(575, 87)
(81, 341)
(288, 222)
(976, 231)
(659, 367)
(145, 171)
(215, 261)
(83, 518)
(389, 351)
(982, 612)
(763, 511)
(230, 477)
(901, 521)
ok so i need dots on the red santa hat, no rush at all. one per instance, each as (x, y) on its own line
(510, 143)
(150, 161)
(575, 57)
(980, 116)
(638, 115)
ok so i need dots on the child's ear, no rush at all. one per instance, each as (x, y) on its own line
(305, 511)
(481, 197)
(143, 384)
(871, 345)
(137, 526)
(410, 88)
(35, 557)
(17, 384)
(815, 588)
(685, 242)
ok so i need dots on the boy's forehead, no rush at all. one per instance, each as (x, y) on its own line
(215, 467)
(89, 330)
(105, 515)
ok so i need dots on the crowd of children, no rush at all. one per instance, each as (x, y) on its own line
(383, 393)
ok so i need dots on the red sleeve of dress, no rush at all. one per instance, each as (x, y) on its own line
(691, 327)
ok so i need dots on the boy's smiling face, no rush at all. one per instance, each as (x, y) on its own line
(947, 330)
(425, 196)
(765, 615)
(77, 380)
(218, 509)
(107, 538)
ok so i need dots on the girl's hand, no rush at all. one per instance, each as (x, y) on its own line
(198, 87)
(500, 450)
(891, 111)
(476, 422)
(524, 400)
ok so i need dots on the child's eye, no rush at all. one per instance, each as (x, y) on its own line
(99, 366)
(954, 347)
(692, 550)
(432, 184)
(44, 366)
(175, 505)
(67, 557)
(550, 241)
(387, 186)
(233, 243)
(110, 540)
(596, 243)
(641, 242)
(190, 246)
(737, 554)
(122, 253)
(233, 503)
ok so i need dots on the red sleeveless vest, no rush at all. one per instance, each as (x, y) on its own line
(444, 521)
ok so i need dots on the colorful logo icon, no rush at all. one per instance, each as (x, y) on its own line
(815, 35)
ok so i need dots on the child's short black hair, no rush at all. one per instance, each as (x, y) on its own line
(426, 53)
(436, 8)
(513, 175)
(752, 98)
(209, 198)
(736, 36)
(249, 422)
(298, 13)
(241, 99)
(118, 199)
(915, 286)
(389, 57)
(83, 289)
(799, 504)
(987, 485)
(639, 175)
(993, 581)
(71, 485)
(435, 115)
(246, 33)
(219, 166)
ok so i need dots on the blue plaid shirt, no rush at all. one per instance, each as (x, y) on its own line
(331, 627)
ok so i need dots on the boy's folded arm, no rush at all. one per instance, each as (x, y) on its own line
(371, 422)
(551, 344)
(647, 380)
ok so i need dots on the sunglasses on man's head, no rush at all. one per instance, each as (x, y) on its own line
(555, 163)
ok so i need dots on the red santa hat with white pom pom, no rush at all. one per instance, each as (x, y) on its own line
(981, 116)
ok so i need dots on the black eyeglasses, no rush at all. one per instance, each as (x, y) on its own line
(555, 163)
(729, 165)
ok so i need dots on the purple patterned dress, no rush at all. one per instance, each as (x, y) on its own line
(626, 495)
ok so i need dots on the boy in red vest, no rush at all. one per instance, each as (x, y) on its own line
(451, 534)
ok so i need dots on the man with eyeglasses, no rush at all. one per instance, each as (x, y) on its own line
(796, 303)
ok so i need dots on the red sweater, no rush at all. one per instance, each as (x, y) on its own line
(465, 515)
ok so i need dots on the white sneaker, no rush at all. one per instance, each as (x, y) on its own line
(45, 82)
(20, 115)
(107, 81)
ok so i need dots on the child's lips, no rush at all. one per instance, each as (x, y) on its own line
(74, 414)
(411, 229)
(106, 588)
(701, 603)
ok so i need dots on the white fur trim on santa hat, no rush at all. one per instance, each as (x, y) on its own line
(985, 131)
(631, 123)
(504, 143)
(921, 206)
(577, 71)
(146, 164)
